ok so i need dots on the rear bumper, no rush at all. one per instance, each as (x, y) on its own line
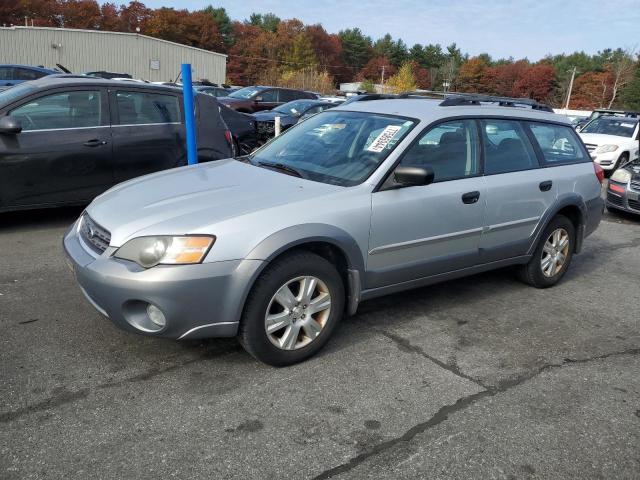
(198, 301)
(595, 208)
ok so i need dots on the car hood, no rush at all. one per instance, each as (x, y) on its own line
(188, 199)
(603, 139)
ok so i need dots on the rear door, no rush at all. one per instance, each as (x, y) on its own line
(519, 189)
(148, 131)
(63, 154)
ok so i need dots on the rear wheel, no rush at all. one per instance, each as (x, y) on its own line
(292, 309)
(552, 256)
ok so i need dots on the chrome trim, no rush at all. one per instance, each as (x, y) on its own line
(501, 226)
(146, 124)
(204, 326)
(423, 241)
(63, 129)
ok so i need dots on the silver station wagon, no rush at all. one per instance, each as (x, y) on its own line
(359, 201)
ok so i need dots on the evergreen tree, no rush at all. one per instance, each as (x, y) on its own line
(631, 94)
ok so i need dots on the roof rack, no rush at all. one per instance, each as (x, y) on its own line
(460, 99)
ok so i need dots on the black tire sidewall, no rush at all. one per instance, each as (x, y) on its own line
(253, 335)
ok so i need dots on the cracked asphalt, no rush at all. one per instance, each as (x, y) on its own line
(482, 377)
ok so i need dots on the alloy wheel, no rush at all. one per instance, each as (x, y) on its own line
(555, 252)
(298, 312)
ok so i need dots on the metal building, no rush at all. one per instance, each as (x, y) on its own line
(82, 51)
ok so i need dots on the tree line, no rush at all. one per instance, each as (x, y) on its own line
(267, 49)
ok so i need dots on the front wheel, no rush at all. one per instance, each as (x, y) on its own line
(292, 309)
(552, 256)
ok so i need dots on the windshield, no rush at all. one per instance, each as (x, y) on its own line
(618, 126)
(10, 94)
(337, 147)
(244, 93)
(296, 108)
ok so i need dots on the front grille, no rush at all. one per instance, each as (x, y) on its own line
(96, 237)
(591, 146)
(635, 204)
(266, 129)
(614, 199)
(635, 183)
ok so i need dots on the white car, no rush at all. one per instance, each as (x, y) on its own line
(611, 140)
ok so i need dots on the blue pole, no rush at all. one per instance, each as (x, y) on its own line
(189, 117)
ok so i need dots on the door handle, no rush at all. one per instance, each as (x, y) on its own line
(94, 143)
(470, 197)
(546, 186)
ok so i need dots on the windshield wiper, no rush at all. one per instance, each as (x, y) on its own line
(283, 168)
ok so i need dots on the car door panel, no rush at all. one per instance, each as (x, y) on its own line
(148, 132)
(422, 231)
(54, 160)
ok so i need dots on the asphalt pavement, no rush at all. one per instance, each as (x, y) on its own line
(482, 377)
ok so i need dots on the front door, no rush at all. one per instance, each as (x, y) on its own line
(63, 154)
(421, 231)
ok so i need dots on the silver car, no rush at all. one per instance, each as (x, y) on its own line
(355, 202)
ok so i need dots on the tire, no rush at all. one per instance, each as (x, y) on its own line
(622, 159)
(295, 334)
(533, 272)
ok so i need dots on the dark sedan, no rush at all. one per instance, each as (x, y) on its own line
(65, 140)
(290, 113)
(623, 191)
(257, 98)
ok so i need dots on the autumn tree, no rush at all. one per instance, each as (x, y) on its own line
(300, 54)
(404, 80)
(592, 90)
(134, 15)
(223, 23)
(535, 82)
(373, 70)
(471, 75)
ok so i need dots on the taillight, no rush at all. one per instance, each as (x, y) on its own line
(227, 135)
(616, 188)
(599, 172)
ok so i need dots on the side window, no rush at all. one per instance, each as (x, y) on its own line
(6, 73)
(558, 144)
(139, 108)
(449, 148)
(77, 109)
(506, 147)
(288, 95)
(270, 96)
(27, 74)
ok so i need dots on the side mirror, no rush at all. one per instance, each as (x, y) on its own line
(10, 125)
(413, 176)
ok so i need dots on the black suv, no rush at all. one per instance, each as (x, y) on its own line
(254, 99)
(65, 140)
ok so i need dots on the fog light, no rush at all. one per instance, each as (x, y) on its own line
(156, 316)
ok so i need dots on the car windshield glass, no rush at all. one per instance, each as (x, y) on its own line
(244, 93)
(10, 94)
(293, 108)
(619, 126)
(337, 147)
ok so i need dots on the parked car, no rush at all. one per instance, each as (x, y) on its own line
(623, 190)
(353, 203)
(211, 90)
(333, 99)
(599, 112)
(14, 74)
(290, 113)
(108, 75)
(65, 140)
(611, 140)
(243, 128)
(254, 99)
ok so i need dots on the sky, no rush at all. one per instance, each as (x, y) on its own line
(517, 28)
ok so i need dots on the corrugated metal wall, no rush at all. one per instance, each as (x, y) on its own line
(85, 50)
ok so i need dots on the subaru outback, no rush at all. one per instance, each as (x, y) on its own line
(356, 202)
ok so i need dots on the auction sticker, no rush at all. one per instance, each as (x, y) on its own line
(384, 138)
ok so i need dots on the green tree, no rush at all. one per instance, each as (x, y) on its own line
(268, 22)
(631, 93)
(301, 54)
(223, 21)
(356, 48)
(367, 86)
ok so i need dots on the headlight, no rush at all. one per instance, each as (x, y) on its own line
(606, 148)
(621, 175)
(151, 251)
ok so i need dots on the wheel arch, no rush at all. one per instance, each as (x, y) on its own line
(572, 206)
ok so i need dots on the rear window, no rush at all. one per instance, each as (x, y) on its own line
(140, 108)
(559, 144)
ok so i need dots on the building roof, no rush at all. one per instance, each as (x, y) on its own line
(102, 32)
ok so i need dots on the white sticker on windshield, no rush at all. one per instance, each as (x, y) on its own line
(384, 138)
(628, 125)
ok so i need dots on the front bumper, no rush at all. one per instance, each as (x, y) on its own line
(627, 200)
(198, 301)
